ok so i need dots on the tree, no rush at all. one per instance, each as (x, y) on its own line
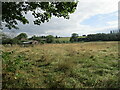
(35, 38)
(83, 35)
(74, 37)
(22, 36)
(56, 36)
(49, 39)
(42, 11)
(7, 41)
(111, 32)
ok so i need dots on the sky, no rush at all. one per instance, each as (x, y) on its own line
(90, 17)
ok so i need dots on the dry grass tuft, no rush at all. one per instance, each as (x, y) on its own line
(75, 65)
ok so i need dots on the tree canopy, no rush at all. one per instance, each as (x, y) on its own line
(42, 12)
(49, 39)
(22, 35)
(74, 37)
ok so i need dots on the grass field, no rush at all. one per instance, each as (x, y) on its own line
(68, 38)
(63, 39)
(76, 65)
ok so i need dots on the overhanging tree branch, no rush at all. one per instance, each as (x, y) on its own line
(15, 11)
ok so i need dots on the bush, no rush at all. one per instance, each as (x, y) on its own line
(49, 39)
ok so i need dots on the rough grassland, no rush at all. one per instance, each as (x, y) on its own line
(77, 65)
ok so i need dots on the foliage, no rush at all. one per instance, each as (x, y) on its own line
(7, 41)
(35, 38)
(49, 39)
(22, 36)
(42, 11)
(103, 37)
(74, 37)
(97, 37)
(15, 40)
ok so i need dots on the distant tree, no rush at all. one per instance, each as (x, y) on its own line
(49, 39)
(118, 30)
(33, 37)
(74, 37)
(84, 35)
(111, 32)
(103, 37)
(37, 38)
(8, 41)
(57, 41)
(42, 36)
(56, 36)
(64, 41)
(22, 35)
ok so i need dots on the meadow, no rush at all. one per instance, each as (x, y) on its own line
(63, 39)
(67, 38)
(73, 65)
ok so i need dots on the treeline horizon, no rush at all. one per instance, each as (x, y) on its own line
(23, 37)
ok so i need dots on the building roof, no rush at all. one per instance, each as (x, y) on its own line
(27, 42)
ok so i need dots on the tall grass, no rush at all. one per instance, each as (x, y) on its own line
(79, 65)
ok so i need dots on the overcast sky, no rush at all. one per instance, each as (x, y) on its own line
(91, 16)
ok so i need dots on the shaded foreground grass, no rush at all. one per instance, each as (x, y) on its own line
(81, 65)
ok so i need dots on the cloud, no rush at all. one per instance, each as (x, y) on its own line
(86, 9)
(113, 23)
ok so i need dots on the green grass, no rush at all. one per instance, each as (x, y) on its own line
(63, 39)
(76, 65)
(82, 36)
(68, 38)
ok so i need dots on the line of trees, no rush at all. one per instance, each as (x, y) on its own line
(112, 36)
(103, 37)
(22, 37)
